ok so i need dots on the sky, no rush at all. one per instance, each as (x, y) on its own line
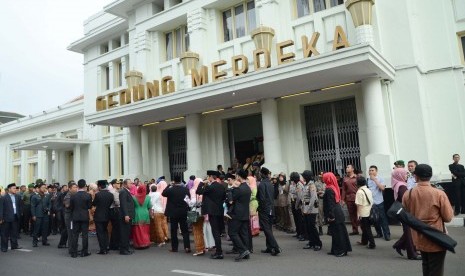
(37, 72)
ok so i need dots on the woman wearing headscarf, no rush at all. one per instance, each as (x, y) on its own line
(158, 226)
(340, 243)
(399, 186)
(254, 224)
(197, 227)
(141, 222)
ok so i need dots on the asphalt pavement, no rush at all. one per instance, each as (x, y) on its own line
(293, 261)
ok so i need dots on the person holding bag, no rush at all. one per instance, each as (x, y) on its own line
(196, 219)
(364, 202)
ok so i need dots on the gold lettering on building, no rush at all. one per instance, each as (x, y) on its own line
(340, 39)
(281, 56)
(111, 101)
(257, 64)
(167, 85)
(153, 89)
(199, 79)
(138, 93)
(101, 103)
(240, 70)
(309, 49)
(124, 96)
(216, 74)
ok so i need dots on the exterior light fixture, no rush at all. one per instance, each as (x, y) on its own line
(174, 119)
(150, 124)
(212, 111)
(337, 86)
(189, 60)
(133, 78)
(263, 37)
(296, 94)
(242, 105)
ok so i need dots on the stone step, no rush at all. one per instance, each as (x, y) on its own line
(457, 221)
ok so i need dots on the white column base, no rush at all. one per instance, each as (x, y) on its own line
(364, 34)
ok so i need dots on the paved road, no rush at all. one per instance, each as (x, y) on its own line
(294, 260)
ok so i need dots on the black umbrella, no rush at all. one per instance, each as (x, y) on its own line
(433, 234)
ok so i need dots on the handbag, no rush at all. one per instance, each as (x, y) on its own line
(193, 214)
(374, 214)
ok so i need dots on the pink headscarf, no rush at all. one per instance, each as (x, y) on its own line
(398, 177)
(331, 182)
(160, 187)
(252, 182)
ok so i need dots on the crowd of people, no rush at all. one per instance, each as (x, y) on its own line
(236, 204)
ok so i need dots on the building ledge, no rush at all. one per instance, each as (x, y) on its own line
(50, 144)
(348, 65)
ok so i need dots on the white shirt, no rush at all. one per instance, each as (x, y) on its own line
(13, 200)
(155, 200)
(411, 183)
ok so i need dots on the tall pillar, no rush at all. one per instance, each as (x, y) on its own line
(271, 139)
(49, 164)
(145, 149)
(135, 152)
(24, 167)
(194, 157)
(77, 163)
(379, 151)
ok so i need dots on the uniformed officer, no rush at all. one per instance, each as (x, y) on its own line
(40, 211)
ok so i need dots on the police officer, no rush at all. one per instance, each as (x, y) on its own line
(40, 211)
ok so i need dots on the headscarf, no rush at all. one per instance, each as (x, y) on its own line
(398, 177)
(190, 184)
(331, 183)
(160, 188)
(141, 194)
(193, 190)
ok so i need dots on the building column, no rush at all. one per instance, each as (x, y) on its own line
(194, 157)
(271, 139)
(134, 152)
(145, 149)
(379, 152)
(24, 167)
(49, 164)
(77, 163)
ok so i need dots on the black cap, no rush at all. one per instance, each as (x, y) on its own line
(423, 171)
(307, 175)
(213, 173)
(11, 185)
(230, 175)
(102, 183)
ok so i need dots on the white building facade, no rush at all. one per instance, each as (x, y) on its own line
(177, 87)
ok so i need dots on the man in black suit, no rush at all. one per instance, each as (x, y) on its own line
(214, 195)
(10, 212)
(127, 213)
(72, 189)
(240, 212)
(60, 213)
(79, 205)
(458, 182)
(40, 211)
(115, 216)
(265, 197)
(102, 202)
(176, 210)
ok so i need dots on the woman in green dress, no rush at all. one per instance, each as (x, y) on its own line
(141, 222)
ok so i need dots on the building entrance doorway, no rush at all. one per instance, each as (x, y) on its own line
(332, 134)
(177, 152)
(246, 139)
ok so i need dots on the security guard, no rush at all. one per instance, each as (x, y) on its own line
(40, 211)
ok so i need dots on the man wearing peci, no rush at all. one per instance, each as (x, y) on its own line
(458, 182)
(214, 195)
(10, 211)
(79, 204)
(102, 202)
(40, 210)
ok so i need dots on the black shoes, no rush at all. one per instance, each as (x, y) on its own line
(341, 254)
(232, 252)
(85, 254)
(45, 244)
(317, 248)
(265, 250)
(418, 258)
(387, 238)
(371, 246)
(398, 250)
(243, 255)
(217, 256)
(18, 247)
(62, 246)
(74, 255)
(378, 236)
(126, 253)
(308, 246)
(102, 252)
(275, 251)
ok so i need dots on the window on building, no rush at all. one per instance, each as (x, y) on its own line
(239, 20)
(17, 174)
(461, 38)
(126, 38)
(104, 48)
(177, 42)
(119, 74)
(106, 77)
(306, 7)
(116, 43)
(120, 159)
(32, 172)
(107, 158)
